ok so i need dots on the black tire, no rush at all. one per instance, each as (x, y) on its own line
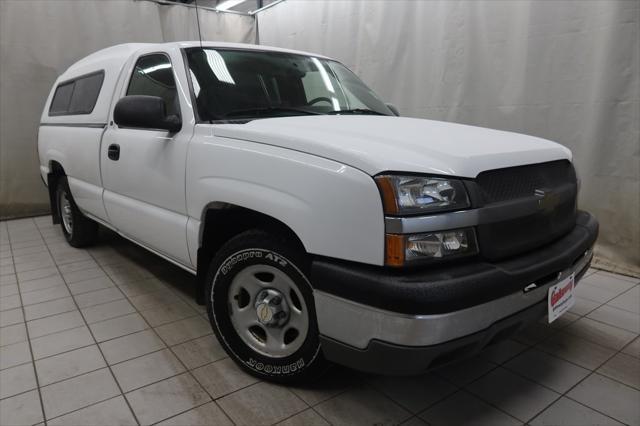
(80, 231)
(260, 249)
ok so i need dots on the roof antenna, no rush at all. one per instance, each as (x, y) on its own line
(198, 22)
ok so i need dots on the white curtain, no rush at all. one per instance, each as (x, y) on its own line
(40, 38)
(562, 70)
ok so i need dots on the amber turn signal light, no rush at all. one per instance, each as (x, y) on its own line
(394, 250)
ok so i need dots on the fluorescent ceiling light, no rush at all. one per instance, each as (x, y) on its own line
(228, 4)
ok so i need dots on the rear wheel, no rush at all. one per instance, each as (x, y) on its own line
(261, 308)
(78, 229)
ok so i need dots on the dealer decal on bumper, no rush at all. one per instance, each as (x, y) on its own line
(561, 298)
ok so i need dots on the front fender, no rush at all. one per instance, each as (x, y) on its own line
(335, 210)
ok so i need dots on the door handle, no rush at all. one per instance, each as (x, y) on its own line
(113, 152)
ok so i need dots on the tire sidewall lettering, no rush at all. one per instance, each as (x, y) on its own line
(223, 277)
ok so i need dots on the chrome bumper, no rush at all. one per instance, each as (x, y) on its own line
(355, 324)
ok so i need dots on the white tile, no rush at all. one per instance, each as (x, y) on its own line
(78, 392)
(204, 415)
(146, 369)
(108, 310)
(310, 418)
(168, 313)
(52, 307)
(629, 301)
(361, 406)
(131, 346)
(157, 299)
(10, 302)
(519, 397)
(595, 293)
(620, 318)
(30, 266)
(183, 330)
(53, 344)
(92, 284)
(332, 383)
(69, 364)
(98, 297)
(16, 354)
(9, 290)
(113, 411)
(466, 371)
(415, 393)
(198, 352)
(600, 333)
(609, 281)
(8, 279)
(609, 397)
(137, 288)
(167, 398)
(633, 348)
(501, 352)
(39, 296)
(262, 403)
(55, 324)
(13, 334)
(222, 377)
(41, 283)
(11, 317)
(117, 327)
(37, 274)
(566, 412)
(577, 350)
(549, 371)
(23, 409)
(463, 408)
(69, 268)
(623, 368)
(17, 380)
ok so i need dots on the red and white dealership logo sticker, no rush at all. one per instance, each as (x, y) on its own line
(560, 298)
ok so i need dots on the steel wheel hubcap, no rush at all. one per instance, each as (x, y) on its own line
(268, 311)
(66, 212)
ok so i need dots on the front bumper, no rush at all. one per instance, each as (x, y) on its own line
(390, 322)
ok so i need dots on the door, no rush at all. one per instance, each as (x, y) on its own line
(143, 170)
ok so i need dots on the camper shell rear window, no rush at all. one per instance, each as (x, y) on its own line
(77, 96)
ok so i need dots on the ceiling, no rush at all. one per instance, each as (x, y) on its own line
(242, 6)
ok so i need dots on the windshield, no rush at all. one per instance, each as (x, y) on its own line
(245, 84)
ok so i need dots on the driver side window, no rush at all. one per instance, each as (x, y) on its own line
(153, 76)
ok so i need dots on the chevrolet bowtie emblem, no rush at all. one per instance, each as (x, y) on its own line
(547, 199)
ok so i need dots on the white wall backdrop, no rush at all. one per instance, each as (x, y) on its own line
(40, 38)
(562, 70)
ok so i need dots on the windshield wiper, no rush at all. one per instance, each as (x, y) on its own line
(249, 111)
(356, 111)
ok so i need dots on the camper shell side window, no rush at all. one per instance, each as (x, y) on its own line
(77, 96)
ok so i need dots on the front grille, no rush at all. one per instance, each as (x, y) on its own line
(517, 182)
(511, 237)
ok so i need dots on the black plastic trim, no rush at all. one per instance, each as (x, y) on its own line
(454, 286)
(89, 125)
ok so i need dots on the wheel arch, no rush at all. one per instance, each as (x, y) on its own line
(56, 171)
(222, 221)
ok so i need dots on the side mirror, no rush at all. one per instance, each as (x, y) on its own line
(393, 109)
(145, 112)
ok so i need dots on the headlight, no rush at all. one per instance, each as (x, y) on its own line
(404, 249)
(420, 194)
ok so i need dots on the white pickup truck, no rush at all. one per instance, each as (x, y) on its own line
(319, 224)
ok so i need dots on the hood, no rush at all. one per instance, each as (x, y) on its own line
(376, 144)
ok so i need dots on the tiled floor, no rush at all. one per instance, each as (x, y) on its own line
(111, 335)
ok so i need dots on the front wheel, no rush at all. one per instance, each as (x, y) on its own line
(78, 229)
(261, 308)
